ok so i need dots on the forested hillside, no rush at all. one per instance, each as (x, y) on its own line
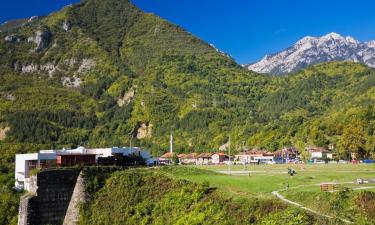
(104, 73)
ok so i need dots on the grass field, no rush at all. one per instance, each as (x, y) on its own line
(260, 180)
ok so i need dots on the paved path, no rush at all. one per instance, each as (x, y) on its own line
(281, 197)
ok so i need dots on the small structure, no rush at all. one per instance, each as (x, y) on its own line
(328, 187)
(204, 159)
(188, 159)
(219, 158)
(361, 181)
(166, 159)
(286, 154)
(255, 157)
(318, 153)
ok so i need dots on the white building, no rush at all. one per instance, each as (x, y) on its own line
(27, 162)
(47, 158)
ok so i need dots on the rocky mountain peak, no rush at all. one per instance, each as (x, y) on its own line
(313, 50)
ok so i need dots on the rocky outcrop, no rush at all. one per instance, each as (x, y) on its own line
(126, 99)
(12, 39)
(41, 39)
(144, 130)
(3, 132)
(73, 82)
(7, 96)
(86, 65)
(66, 26)
(50, 68)
(30, 68)
(74, 67)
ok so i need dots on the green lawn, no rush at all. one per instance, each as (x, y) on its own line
(263, 179)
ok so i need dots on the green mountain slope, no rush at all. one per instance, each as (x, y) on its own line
(97, 75)
(102, 73)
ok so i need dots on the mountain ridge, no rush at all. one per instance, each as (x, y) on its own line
(313, 50)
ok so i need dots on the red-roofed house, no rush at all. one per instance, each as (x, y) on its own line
(219, 158)
(188, 159)
(166, 159)
(204, 159)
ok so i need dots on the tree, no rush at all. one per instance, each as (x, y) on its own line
(353, 139)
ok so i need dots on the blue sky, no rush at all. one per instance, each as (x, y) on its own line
(246, 29)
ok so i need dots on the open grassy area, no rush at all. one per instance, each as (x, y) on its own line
(261, 180)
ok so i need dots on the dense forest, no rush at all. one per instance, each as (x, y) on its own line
(103, 73)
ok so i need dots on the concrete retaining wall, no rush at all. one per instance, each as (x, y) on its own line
(79, 197)
(49, 206)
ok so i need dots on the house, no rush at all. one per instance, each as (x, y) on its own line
(188, 159)
(219, 158)
(286, 154)
(255, 156)
(25, 163)
(204, 159)
(166, 159)
(319, 153)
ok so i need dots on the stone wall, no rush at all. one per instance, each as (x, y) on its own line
(55, 188)
(23, 210)
(79, 197)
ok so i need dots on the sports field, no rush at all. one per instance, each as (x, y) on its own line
(302, 188)
(263, 179)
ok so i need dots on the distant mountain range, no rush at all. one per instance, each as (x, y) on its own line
(313, 50)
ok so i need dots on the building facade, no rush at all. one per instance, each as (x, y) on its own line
(26, 163)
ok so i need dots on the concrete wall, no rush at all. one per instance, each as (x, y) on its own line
(23, 210)
(79, 196)
(49, 206)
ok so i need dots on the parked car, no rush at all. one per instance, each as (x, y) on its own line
(319, 162)
(343, 161)
(367, 161)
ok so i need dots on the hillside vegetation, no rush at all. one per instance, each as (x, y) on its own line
(151, 197)
(104, 73)
(98, 76)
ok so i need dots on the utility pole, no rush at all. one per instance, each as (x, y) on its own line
(171, 144)
(230, 172)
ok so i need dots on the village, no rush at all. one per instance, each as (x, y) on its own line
(313, 155)
(135, 156)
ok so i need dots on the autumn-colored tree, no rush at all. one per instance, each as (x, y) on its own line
(353, 139)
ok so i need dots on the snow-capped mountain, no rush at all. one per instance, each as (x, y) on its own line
(313, 50)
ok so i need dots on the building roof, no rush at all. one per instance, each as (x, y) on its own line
(255, 152)
(168, 155)
(205, 155)
(220, 154)
(286, 151)
(317, 149)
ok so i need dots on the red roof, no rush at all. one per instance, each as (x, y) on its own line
(205, 155)
(168, 155)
